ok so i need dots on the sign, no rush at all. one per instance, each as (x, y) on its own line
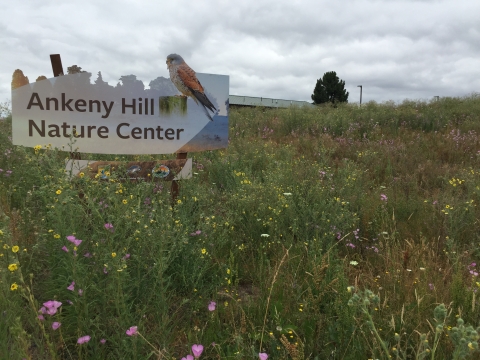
(127, 119)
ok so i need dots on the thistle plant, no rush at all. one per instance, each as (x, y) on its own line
(363, 300)
(465, 340)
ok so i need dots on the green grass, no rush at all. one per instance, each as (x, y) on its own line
(302, 204)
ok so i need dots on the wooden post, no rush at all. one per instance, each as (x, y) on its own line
(57, 68)
(174, 188)
(56, 64)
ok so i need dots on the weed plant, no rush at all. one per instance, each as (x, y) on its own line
(319, 233)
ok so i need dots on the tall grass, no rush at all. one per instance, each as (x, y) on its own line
(376, 205)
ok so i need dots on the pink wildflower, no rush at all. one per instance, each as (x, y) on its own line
(212, 306)
(64, 248)
(52, 306)
(188, 357)
(132, 331)
(83, 339)
(262, 356)
(71, 287)
(197, 350)
(56, 325)
(74, 240)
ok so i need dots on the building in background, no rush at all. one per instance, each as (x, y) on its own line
(236, 100)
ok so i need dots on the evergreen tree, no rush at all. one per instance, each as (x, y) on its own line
(329, 89)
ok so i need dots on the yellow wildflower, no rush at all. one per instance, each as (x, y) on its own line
(14, 287)
(58, 192)
(124, 201)
(15, 249)
(114, 254)
(12, 267)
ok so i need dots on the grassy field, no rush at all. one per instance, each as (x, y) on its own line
(323, 233)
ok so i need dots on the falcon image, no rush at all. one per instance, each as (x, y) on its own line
(184, 78)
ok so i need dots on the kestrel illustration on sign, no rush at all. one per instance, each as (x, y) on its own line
(184, 78)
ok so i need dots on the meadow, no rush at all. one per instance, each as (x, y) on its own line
(319, 233)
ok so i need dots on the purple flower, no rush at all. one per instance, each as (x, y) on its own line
(71, 287)
(51, 306)
(431, 286)
(351, 245)
(197, 350)
(474, 273)
(103, 341)
(127, 256)
(42, 310)
(131, 331)
(40, 317)
(472, 264)
(109, 226)
(88, 255)
(74, 240)
(212, 306)
(383, 197)
(80, 292)
(262, 356)
(83, 339)
(188, 357)
(64, 248)
(105, 270)
(56, 325)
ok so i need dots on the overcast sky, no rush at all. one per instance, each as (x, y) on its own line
(277, 49)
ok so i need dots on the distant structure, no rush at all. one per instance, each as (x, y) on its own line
(237, 100)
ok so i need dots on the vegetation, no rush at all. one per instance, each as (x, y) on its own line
(329, 89)
(319, 233)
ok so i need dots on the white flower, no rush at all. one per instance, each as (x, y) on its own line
(264, 235)
(287, 194)
(353, 262)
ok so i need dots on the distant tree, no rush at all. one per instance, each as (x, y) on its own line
(330, 89)
(74, 69)
(130, 85)
(99, 80)
(18, 79)
(41, 77)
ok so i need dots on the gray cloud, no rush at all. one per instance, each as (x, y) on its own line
(395, 49)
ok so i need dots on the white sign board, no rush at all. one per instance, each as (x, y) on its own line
(126, 119)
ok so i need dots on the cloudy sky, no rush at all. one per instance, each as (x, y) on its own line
(396, 49)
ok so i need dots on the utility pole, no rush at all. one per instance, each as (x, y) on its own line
(360, 86)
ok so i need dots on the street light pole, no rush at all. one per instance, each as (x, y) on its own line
(360, 86)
